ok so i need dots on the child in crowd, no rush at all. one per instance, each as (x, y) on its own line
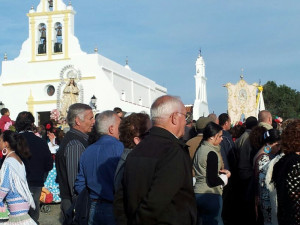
(5, 121)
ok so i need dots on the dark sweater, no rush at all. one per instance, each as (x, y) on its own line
(40, 162)
(157, 185)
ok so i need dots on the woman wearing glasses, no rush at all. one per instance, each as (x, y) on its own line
(210, 176)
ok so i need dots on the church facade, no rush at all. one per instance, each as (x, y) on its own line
(52, 71)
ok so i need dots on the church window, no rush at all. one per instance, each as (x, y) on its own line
(58, 41)
(50, 90)
(42, 39)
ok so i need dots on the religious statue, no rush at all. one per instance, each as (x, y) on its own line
(70, 96)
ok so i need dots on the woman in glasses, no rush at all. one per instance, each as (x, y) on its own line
(210, 176)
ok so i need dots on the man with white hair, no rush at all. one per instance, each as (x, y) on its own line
(157, 184)
(97, 167)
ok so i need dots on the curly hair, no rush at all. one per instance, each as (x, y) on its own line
(286, 122)
(134, 125)
(290, 138)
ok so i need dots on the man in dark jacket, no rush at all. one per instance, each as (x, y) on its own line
(157, 185)
(40, 162)
(81, 120)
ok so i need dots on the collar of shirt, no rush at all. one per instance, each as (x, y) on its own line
(79, 133)
(159, 131)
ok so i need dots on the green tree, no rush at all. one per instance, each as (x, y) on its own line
(282, 100)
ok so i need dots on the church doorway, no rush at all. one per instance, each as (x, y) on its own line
(43, 117)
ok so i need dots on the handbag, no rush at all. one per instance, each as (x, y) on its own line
(46, 196)
(78, 214)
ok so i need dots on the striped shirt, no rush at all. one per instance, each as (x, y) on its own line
(67, 159)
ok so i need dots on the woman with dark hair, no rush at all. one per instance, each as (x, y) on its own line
(286, 176)
(14, 189)
(262, 158)
(40, 162)
(133, 129)
(52, 136)
(210, 176)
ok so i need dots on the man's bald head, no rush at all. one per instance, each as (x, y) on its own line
(265, 116)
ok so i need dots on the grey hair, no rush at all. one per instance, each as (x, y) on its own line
(104, 120)
(76, 110)
(164, 106)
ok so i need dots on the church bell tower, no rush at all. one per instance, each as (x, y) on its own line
(51, 26)
(200, 105)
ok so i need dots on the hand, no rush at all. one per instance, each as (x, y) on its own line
(226, 172)
(51, 136)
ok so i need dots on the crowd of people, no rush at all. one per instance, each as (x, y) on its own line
(120, 168)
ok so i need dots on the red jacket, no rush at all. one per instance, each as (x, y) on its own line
(4, 119)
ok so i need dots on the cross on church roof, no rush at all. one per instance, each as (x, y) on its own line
(242, 75)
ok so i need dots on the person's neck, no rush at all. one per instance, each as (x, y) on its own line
(172, 131)
(79, 129)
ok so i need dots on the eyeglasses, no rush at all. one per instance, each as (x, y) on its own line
(187, 116)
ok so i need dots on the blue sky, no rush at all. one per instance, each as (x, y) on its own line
(162, 39)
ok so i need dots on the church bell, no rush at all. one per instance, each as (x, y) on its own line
(50, 3)
(43, 33)
(58, 29)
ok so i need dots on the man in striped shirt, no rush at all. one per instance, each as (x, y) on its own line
(81, 120)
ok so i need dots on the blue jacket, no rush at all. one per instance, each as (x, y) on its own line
(97, 168)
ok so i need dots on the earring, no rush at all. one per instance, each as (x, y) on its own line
(4, 151)
(267, 149)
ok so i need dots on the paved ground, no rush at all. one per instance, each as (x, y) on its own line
(53, 217)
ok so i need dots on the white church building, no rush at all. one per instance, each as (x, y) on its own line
(51, 61)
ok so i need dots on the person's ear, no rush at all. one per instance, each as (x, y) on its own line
(136, 140)
(111, 129)
(77, 121)
(174, 118)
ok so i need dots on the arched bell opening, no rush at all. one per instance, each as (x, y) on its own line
(50, 3)
(58, 36)
(42, 49)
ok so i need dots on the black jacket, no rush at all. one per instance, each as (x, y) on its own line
(40, 162)
(157, 185)
(60, 161)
